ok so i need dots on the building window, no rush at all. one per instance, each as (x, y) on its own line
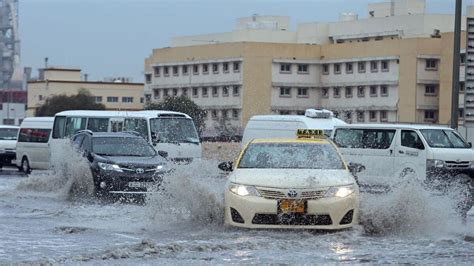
(337, 68)
(214, 114)
(373, 91)
(431, 64)
(461, 113)
(303, 92)
(461, 86)
(373, 115)
(361, 91)
(225, 91)
(236, 91)
(303, 69)
(235, 114)
(385, 66)
(175, 92)
(384, 90)
(98, 99)
(285, 112)
(430, 115)
(285, 68)
(325, 69)
(236, 67)
(300, 112)
(156, 93)
(184, 92)
(430, 90)
(166, 71)
(196, 69)
(185, 70)
(142, 100)
(349, 68)
(127, 99)
(175, 70)
(462, 58)
(215, 68)
(225, 114)
(215, 91)
(336, 92)
(360, 116)
(325, 93)
(374, 66)
(348, 116)
(156, 71)
(348, 92)
(165, 93)
(285, 92)
(148, 78)
(204, 92)
(383, 115)
(205, 68)
(195, 92)
(111, 99)
(225, 67)
(361, 67)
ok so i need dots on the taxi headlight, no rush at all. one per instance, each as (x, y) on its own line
(434, 163)
(340, 192)
(110, 167)
(243, 190)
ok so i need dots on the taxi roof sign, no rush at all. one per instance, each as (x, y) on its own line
(310, 133)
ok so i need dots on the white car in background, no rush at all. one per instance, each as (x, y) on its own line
(8, 140)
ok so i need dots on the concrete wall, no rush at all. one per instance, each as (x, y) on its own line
(62, 74)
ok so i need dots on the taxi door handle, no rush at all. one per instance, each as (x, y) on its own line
(401, 152)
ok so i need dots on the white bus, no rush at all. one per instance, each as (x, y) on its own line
(168, 131)
(32, 148)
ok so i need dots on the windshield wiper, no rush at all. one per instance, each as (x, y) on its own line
(188, 141)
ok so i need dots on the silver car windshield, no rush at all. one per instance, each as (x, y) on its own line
(291, 155)
(8, 133)
(443, 138)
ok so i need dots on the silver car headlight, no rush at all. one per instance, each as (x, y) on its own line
(243, 190)
(430, 163)
(110, 167)
(340, 192)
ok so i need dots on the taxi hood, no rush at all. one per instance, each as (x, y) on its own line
(292, 178)
(451, 154)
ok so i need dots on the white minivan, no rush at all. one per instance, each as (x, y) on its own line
(32, 149)
(8, 136)
(390, 151)
(285, 126)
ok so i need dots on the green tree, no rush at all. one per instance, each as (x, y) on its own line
(83, 100)
(184, 105)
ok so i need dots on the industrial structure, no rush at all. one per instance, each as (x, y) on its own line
(393, 66)
(10, 73)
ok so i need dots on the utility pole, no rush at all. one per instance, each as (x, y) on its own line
(456, 57)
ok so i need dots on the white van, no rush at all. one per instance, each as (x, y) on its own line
(8, 136)
(32, 149)
(285, 126)
(389, 151)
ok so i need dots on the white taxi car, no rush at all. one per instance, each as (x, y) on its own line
(291, 183)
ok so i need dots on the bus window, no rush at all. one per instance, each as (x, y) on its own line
(74, 124)
(59, 127)
(137, 124)
(116, 125)
(98, 124)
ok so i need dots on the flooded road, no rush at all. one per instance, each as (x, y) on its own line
(43, 220)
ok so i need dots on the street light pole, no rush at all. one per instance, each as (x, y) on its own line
(456, 57)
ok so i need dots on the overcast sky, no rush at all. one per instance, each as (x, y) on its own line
(113, 37)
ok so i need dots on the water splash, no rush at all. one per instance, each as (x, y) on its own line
(69, 178)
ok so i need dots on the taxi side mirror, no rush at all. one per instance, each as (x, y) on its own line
(469, 144)
(355, 168)
(163, 154)
(226, 166)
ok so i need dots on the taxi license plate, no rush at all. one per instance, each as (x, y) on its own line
(291, 206)
(140, 185)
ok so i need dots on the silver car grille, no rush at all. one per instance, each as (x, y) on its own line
(458, 164)
(275, 193)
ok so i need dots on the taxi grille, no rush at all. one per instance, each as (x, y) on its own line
(282, 194)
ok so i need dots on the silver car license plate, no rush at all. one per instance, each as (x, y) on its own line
(146, 185)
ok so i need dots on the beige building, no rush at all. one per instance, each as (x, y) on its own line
(362, 70)
(115, 95)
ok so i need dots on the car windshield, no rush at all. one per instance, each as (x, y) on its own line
(291, 155)
(122, 146)
(443, 138)
(8, 133)
(178, 130)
